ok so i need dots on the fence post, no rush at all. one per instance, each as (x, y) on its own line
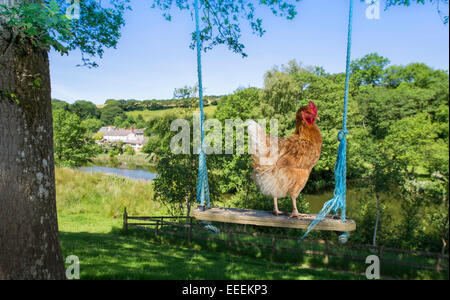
(380, 253)
(156, 229)
(326, 253)
(230, 238)
(274, 245)
(438, 263)
(125, 219)
(190, 231)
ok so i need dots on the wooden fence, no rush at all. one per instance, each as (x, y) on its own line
(160, 223)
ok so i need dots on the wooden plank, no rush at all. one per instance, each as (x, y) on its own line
(265, 218)
(154, 218)
(142, 224)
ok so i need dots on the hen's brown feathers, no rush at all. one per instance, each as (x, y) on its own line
(285, 171)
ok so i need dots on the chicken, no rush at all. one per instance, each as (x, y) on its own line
(284, 171)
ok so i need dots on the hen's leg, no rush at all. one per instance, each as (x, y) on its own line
(276, 212)
(295, 213)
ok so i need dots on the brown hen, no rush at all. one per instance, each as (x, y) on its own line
(281, 166)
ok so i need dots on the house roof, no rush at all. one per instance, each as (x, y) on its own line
(113, 131)
(107, 128)
(117, 132)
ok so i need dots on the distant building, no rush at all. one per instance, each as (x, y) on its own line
(133, 137)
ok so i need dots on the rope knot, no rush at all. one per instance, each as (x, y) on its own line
(342, 134)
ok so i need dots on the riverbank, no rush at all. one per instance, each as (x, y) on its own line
(79, 193)
(135, 174)
(124, 161)
(356, 197)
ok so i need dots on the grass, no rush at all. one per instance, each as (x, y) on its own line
(355, 265)
(106, 252)
(90, 210)
(83, 194)
(151, 114)
(89, 218)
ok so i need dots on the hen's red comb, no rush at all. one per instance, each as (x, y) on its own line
(313, 107)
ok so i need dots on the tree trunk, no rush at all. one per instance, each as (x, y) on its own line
(29, 245)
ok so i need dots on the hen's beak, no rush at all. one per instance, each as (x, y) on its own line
(317, 118)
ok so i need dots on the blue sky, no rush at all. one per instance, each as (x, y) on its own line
(153, 55)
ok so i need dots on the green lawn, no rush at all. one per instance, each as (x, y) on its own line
(90, 222)
(106, 252)
(150, 114)
(90, 210)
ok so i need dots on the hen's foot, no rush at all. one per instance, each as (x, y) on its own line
(336, 217)
(276, 212)
(296, 214)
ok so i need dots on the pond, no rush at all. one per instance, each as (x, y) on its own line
(137, 174)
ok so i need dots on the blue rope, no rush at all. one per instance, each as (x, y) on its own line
(202, 180)
(338, 202)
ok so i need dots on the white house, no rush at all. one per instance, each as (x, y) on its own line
(133, 137)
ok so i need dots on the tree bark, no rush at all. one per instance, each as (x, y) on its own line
(29, 245)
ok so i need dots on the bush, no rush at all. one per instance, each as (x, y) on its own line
(129, 150)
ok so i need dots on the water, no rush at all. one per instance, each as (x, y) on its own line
(354, 199)
(353, 196)
(138, 174)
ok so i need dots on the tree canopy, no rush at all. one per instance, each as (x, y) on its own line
(397, 145)
(221, 21)
(45, 23)
(73, 146)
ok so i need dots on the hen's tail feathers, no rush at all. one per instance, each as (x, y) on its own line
(257, 138)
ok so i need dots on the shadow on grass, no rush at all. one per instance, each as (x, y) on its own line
(138, 255)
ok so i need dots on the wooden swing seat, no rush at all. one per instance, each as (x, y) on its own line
(265, 218)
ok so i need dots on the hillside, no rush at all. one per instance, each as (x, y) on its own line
(151, 114)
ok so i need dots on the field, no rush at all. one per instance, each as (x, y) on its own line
(89, 218)
(106, 252)
(90, 208)
(151, 114)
